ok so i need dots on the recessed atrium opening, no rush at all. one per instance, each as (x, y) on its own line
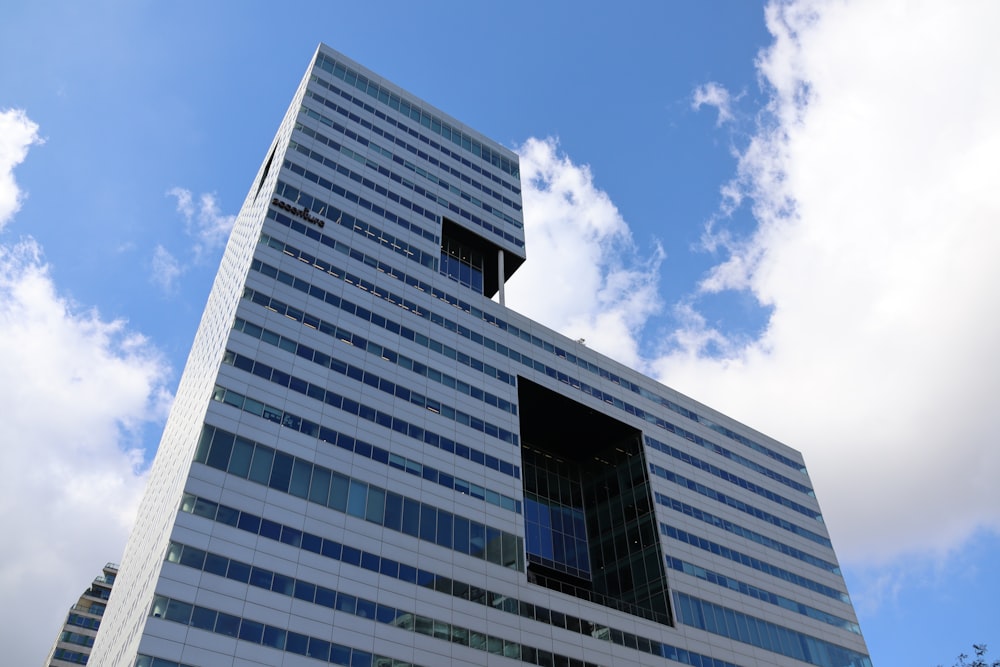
(590, 529)
(472, 260)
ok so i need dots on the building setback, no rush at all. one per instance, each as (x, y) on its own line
(370, 461)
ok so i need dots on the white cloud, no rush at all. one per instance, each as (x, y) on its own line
(205, 223)
(597, 286)
(166, 269)
(873, 181)
(714, 94)
(76, 390)
(17, 134)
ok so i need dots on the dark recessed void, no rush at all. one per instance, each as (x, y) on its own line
(590, 529)
(473, 260)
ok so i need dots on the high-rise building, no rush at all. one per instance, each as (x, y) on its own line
(72, 646)
(372, 461)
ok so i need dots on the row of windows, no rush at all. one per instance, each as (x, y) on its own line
(363, 313)
(463, 267)
(739, 505)
(557, 534)
(760, 594)
(764, 634)
(343, 219)
(414, 150)
(354, 197)
(70, 637)
(371, 164)
(69, 655)
(410, 109)
(320, 595)
(491, 344)
(732, 456)
(84, 621)
(448, 586)
(219, 449)
(312, 429)
(270, 636)
(317, 484)
(372, 348)
(746, 533)
(743, 484)
(346, 404)
(143, 660)
(753, 563)
(514, 239)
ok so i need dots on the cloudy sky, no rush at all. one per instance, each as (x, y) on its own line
(787, 210)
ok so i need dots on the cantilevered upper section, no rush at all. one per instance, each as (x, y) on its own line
(451, 171)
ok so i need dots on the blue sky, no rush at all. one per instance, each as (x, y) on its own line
(788, 211)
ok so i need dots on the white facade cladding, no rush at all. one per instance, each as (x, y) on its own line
(370, 462)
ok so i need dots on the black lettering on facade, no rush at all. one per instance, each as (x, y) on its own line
(298, 212)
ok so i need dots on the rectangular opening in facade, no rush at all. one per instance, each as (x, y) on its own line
(590, 528)
(473, 260)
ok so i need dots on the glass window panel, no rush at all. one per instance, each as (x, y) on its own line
(319, 490)
(370, 561)
(325, 597)
(351, 556)
(274, 637)
(227, 515)
(158, 607)
(411, 517)
(205, 508)
(174, 552)
(444, 529)
(282, 584)
(239, 462)
(215, 564)
(319, 649)
(281, 472)
(393, 511)
(338, 492)
(361, 658)
(260, 467)
(261, 578)
(201, 454)
(331, 549)
(346, 603)
(203, 618)
(296, 643)
(428, 523)
(461, 535)
(305, 591)
(366, 609)
(178, 611)
(192, 557)
(357, 496)
(251, 631)
(340, 655)
(222, 447)
(270, 529)
(477, 538)
(301, 472)
(292, 536)
(238, 571)
(376, 505)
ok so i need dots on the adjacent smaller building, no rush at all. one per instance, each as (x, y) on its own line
(72, 646)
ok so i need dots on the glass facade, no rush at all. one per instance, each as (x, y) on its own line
(372, 462)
